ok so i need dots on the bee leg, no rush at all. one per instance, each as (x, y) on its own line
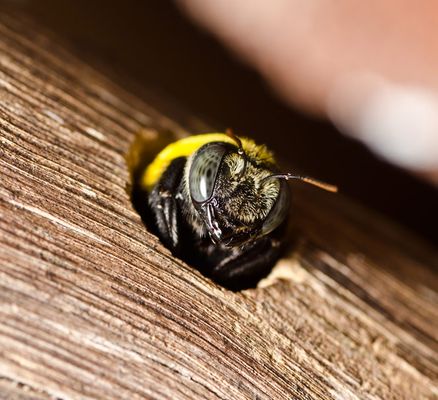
(164, 206)
(245, 268)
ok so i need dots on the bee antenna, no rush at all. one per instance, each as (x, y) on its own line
(229, 132)
(307, 179)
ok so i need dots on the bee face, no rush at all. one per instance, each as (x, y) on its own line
(233, 197)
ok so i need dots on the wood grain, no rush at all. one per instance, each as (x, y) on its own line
(93, 306)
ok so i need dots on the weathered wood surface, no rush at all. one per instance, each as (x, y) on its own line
(92, 305)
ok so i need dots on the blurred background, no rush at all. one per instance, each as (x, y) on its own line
(155, 51)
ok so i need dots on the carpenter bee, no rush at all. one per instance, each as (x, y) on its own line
(219, 202)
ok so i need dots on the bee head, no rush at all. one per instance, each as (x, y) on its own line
(233, 194)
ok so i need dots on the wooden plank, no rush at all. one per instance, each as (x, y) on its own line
(93, 306)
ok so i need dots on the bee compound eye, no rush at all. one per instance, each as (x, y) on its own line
(204, 170)
(279, 210)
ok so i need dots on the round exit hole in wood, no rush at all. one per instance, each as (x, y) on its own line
(166, 210)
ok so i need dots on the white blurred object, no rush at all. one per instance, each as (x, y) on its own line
(399, 122)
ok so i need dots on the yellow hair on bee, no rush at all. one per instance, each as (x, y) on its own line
(187, 146)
